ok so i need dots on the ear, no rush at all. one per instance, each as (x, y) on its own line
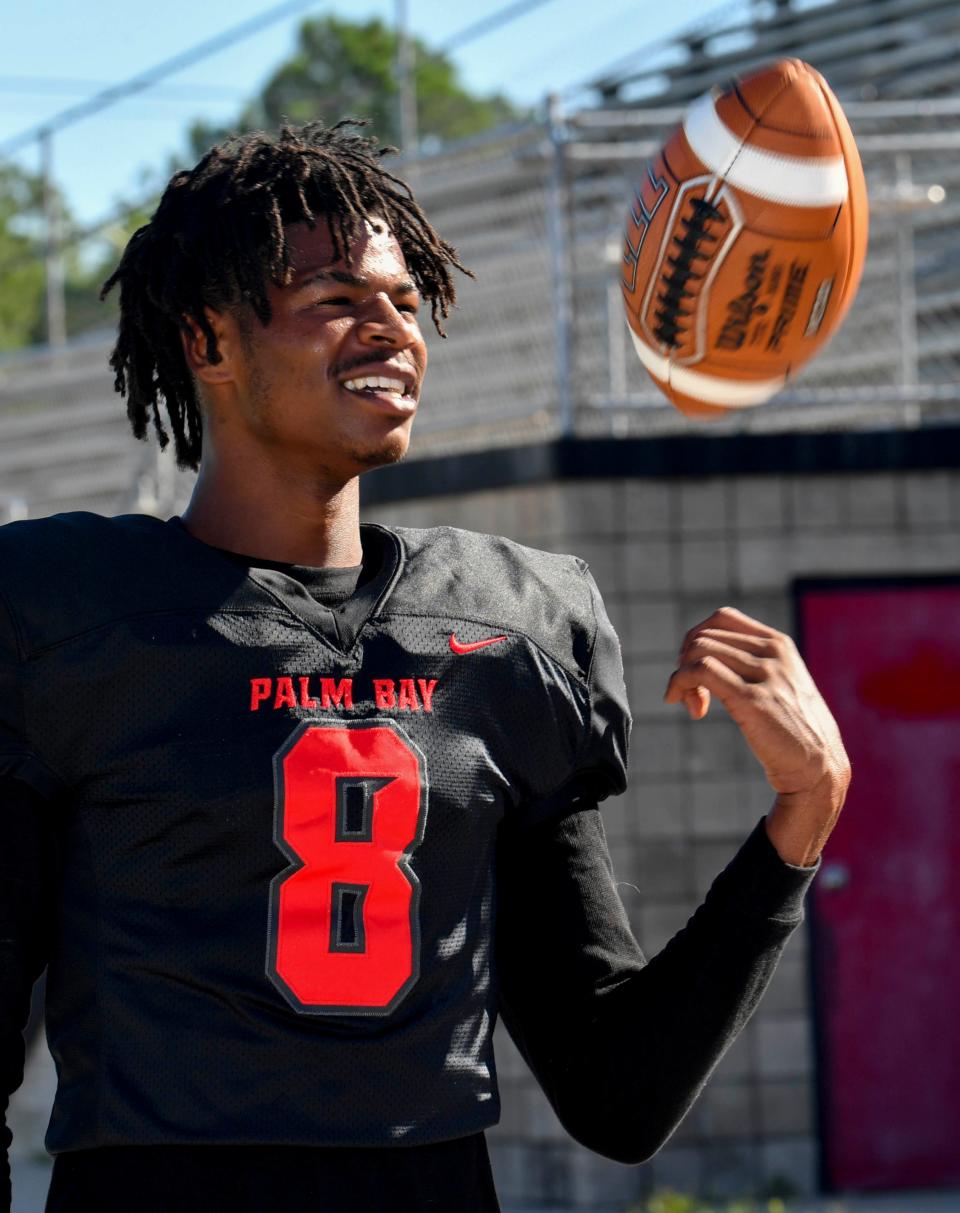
(194, 341)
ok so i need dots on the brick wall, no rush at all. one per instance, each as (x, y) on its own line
(665, 553)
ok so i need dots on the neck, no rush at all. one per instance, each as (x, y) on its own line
(279, 514)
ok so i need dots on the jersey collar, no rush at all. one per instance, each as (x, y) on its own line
(340, 626)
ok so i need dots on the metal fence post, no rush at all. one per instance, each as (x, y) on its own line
(906, 276)
(560, 267)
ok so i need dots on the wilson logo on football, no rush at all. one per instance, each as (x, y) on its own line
(472, 646)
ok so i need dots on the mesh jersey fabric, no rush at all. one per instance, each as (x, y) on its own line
(189, 713)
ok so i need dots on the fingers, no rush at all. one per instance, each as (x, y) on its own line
(736, 656)
(723, 655)
(694, 681)
(729, 619)
(758, 675)
(759, 646)
(697, 702)
(728, 654)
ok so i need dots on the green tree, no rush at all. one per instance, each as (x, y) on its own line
(23, 318)
(21, 257)
(348, 69)
(85, 309)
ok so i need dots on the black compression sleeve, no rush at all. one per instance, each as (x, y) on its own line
(28, 878)
(622, 1046)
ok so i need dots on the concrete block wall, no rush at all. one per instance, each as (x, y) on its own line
(665, 553)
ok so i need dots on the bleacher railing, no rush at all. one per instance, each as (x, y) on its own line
(538, 346)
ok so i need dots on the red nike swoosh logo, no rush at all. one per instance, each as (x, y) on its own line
(473, 644)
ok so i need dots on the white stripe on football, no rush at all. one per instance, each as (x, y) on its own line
(728, 393)
(794, 180)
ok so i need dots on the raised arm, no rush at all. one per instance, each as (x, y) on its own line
(622, 1046)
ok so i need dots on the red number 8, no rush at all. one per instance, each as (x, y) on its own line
(350, 809)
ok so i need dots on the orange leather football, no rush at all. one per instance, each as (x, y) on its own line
(745, 240)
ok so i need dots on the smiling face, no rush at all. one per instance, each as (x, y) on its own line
(332, 382)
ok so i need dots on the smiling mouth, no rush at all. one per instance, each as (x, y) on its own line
(382, 387)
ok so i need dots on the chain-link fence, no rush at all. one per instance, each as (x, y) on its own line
(538, 346)
(895, 360)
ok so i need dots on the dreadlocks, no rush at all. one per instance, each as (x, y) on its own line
(218, 237)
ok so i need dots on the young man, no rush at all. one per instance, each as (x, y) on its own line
(293, 805)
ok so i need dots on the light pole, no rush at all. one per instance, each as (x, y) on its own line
(53, 254)
(406, 84)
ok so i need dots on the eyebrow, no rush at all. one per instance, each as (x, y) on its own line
(406, 287)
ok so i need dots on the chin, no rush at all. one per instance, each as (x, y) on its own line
(391, 450)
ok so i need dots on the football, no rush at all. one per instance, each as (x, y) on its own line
(745, 240)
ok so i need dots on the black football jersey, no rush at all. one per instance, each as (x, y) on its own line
(279, 818)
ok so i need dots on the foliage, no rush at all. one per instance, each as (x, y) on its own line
(345, 68)
(21, 263)
(22, 269)
(665, 1200)
(85, 311)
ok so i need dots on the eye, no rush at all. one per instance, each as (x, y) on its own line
(333, 301)
(411, 308)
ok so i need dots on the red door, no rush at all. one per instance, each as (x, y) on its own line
(886, 905)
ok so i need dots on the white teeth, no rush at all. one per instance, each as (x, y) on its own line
(379, 382)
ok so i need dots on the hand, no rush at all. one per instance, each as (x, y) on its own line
(760, 678)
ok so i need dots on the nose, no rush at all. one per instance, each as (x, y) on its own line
(383, 324)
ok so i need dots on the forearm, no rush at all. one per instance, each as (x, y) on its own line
(633, 1043)
(657, 1038)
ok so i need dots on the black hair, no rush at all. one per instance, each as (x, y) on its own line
(217, 238)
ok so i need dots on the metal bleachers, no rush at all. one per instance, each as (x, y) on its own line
(867, 49)
(538, 345)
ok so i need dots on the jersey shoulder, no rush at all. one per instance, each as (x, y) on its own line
(490, 580)
(69, 573)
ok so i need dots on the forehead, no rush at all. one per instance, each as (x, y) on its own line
(374, 252)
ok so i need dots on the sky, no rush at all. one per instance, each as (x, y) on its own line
(117, 155)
